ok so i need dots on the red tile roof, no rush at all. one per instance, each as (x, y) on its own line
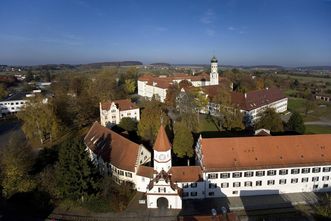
(265, 151)
(112, 147)
(162, 142)
(165, 81)
(186, 173)
(256, 99)
(124, 104)
(146, 171)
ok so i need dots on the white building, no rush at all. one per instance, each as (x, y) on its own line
(16, 102)
(252, 103)
(111, 112)
(225, 167)
(265, 164)
(149, 86)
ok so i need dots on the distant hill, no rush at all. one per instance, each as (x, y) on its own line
(161, 64)
(112, 63)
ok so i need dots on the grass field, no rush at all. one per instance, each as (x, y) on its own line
(207, 123)
(296, 104)
(318, 129)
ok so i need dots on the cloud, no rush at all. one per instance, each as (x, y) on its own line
(208, 17)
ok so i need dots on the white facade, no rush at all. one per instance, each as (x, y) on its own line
(149, 89)
(162, 160)
(114, 114)
(163, 191)
(12, 106)
(279, 106)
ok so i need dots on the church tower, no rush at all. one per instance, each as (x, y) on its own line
(162, 151)
(213, 71)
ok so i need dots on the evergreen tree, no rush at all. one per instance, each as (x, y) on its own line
(295, 123)
(183, 141)
(75, 174)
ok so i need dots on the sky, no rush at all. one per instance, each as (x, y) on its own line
(237, 32)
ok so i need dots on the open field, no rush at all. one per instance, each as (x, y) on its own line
(318, 129)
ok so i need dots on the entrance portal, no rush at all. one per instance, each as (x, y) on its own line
(162, 202)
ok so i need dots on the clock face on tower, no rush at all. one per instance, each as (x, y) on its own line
(162, 156)
(104, 112)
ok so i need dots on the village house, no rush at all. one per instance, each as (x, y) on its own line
(111, 112)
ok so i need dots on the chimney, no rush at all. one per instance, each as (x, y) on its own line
(245, 95)
(267, 88)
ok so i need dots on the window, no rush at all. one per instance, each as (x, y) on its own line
(326, 169)
(316, 170)
(236, 184)
(248, 174)
(271, 182)
(259, 173)
(113, 117)
(294, 180)
(224, 185)
(235, 192)
(283, 172)
(305, 170)
(193, 185)
(271, 172)
(325, 185)
(282, 181)
(185, 185)
(211, 194)
(185, 194)
(212, 175)
(194, 193)
(258, 183)
(295, 171)
(121, 172)
(225, 175)
(128, 174)
(248, 183)
(304, 180)
(315, 187)
(315, 179)
(236, 174)
(325, 178)
(212, 185)
(162, 189)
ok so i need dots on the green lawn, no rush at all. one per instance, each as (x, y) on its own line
(296, 104)
(318, 129)
(207, 123)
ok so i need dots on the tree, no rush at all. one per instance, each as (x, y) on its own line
(128, 124)
(183, 141)
(29, 76)
(39, 120)
(231, 119)
(150, 120)
(172, 93)
(185, 84)
(15, 161)
(3, 91)
(270, 120)
(295, 123)
(130, 86)
(75, 174)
